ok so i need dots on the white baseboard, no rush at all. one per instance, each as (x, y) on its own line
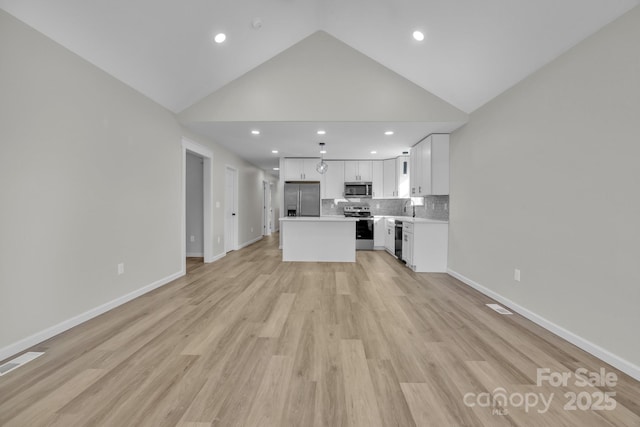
(606, 356)
(250, 242)
(217, 257)
(52, 331)
(194, 254)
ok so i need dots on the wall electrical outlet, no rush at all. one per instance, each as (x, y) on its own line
(252, 229)
(192, 238)
(121, 268)
(218, 239)
(217, 204)
(516, 275)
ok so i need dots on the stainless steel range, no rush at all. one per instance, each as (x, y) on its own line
(364, 226)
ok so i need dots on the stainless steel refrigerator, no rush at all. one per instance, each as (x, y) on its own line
(302, 198)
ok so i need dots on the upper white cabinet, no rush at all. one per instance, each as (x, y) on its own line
(389, 186)
(429, 166)
(358, 170)
(396, 178)
(333, 180)
(377, 179)
(402, 177)
(301, 170)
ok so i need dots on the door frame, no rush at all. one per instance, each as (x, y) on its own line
(232, 245)
(266, 208)
(207, 198)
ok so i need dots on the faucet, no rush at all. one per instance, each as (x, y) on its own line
(413, 207)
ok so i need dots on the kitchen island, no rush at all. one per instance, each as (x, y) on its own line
(318, 239)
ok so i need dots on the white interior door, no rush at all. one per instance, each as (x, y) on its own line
(266, 209)
(230, 206)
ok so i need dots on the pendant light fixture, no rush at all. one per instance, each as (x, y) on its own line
(322, 167)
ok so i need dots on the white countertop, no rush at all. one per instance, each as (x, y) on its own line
(327, 218)
(413, 220)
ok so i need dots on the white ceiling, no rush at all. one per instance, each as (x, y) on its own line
(474, 50)
(343, 140)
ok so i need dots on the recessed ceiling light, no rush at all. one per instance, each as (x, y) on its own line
(220, 37)
(274, 151)
(276, 169)
(418, 35)
(321, 132)
(323, 151)
(374, 152)
(389, 132)
(255, 132)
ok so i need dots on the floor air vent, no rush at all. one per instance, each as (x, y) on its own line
(500, 309)
(18, 361)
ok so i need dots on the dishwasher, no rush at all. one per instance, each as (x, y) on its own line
(398, 251)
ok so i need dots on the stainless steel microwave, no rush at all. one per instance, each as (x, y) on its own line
(357, 189)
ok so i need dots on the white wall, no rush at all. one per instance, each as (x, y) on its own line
(545, 178)
(322, 79)
(194, 221)
(90, 176)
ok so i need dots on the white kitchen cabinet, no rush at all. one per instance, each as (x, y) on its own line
(429, 166)
(389, 185)
(402, 177)
(377, 179)
(379, 233)
(358, 171)
(333, 180)
(415, 170)
(407, 243)
(301, 169)
(390, 236)
(425, 246)
(293, 169)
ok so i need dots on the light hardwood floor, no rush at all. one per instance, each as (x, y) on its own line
(250, 340)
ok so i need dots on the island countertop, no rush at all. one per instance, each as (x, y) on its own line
(327, 218)
(318, 239)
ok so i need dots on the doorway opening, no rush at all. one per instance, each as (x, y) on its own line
(194, 208)
(197, 207)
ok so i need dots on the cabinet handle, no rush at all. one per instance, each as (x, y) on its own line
(413, 190)
(419, 189)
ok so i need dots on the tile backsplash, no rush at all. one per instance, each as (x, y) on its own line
(435, 207)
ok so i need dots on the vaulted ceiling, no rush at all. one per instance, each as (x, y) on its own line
(473, 50)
